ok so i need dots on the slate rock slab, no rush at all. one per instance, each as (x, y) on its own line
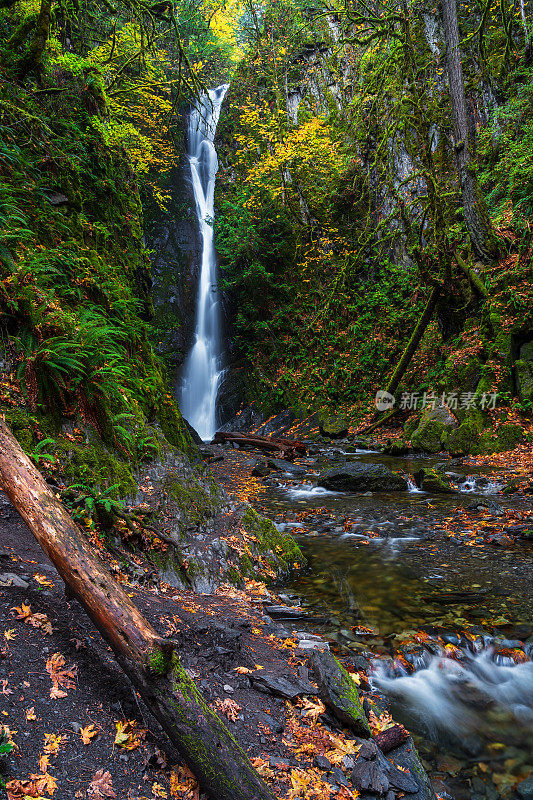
(286, 686)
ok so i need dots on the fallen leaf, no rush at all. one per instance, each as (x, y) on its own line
(228, 707)
(56, 693)
(30, 714)
(43, 580)
(127, 735)
(159, 791)
(88, 733)
(101, 786)
(10, 635)
(51, 743)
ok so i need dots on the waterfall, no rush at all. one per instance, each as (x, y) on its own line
(203, 367)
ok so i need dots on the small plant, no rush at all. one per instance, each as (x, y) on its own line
(86, 502)
(38, 456)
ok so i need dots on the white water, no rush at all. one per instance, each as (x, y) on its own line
(445, 694)
(203, 368)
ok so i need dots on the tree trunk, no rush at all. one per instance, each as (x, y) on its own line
(150, 662)
(414, 341)
(475, 280)
(475, 209)
(288, 448)
(32, 62)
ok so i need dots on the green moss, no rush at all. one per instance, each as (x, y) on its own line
(464, 439)
(197, 503)
(93, 464)
(280, 549)
(158, 662)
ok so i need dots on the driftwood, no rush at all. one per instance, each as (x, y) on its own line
(149, 660)
(288, 448)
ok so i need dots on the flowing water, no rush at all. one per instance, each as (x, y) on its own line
(203, 367)
(446, 627)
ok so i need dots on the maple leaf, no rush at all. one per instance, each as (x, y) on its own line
(56, 693)
(182, 780)
(39, 621)
(30, 714)
(44, 783)
(262, 767)
(158, 790)
(10, 634)
(229, 708)
(312, 710)
(51, 743)
(44, 762)
(88, 733)
(23, 611)
(127, 735)
(101, 786)
(4, 689)
(60, 676)
(299, 781)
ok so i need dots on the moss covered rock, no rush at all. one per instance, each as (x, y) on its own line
(334, 427)
(430, 480)
(464, 439)
(523, 371)
(433, 429)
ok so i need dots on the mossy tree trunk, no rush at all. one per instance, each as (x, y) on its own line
(475, 209)
(414, 341)
(32, 61)
(150, 662)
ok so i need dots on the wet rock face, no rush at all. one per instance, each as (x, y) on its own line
(174, 238)
(359, 477)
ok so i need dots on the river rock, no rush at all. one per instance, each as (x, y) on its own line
(525, 789)
(403, 773)
(280, 465)
(260, 468)
(358, 477)
(432, 481)
(286, 686)
(339, 692)
(334, 427)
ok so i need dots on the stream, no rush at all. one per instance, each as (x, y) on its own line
(444, 624)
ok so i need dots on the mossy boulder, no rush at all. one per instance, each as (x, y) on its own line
(464, 439)
(334, 427)
(339, 692)
(433, 429)
(508, 436)
(430, 480)
(276, 549)
(523, 371)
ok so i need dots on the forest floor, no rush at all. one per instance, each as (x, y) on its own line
(80, 731)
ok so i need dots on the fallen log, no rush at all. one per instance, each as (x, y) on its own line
(149, 660)
(288, 448)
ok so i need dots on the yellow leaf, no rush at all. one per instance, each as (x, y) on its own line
(88, 733)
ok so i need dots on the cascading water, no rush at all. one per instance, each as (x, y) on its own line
(203, 367)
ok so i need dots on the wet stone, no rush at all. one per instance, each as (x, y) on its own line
(281, 685)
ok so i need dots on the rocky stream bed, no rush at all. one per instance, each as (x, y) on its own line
(428, 591)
